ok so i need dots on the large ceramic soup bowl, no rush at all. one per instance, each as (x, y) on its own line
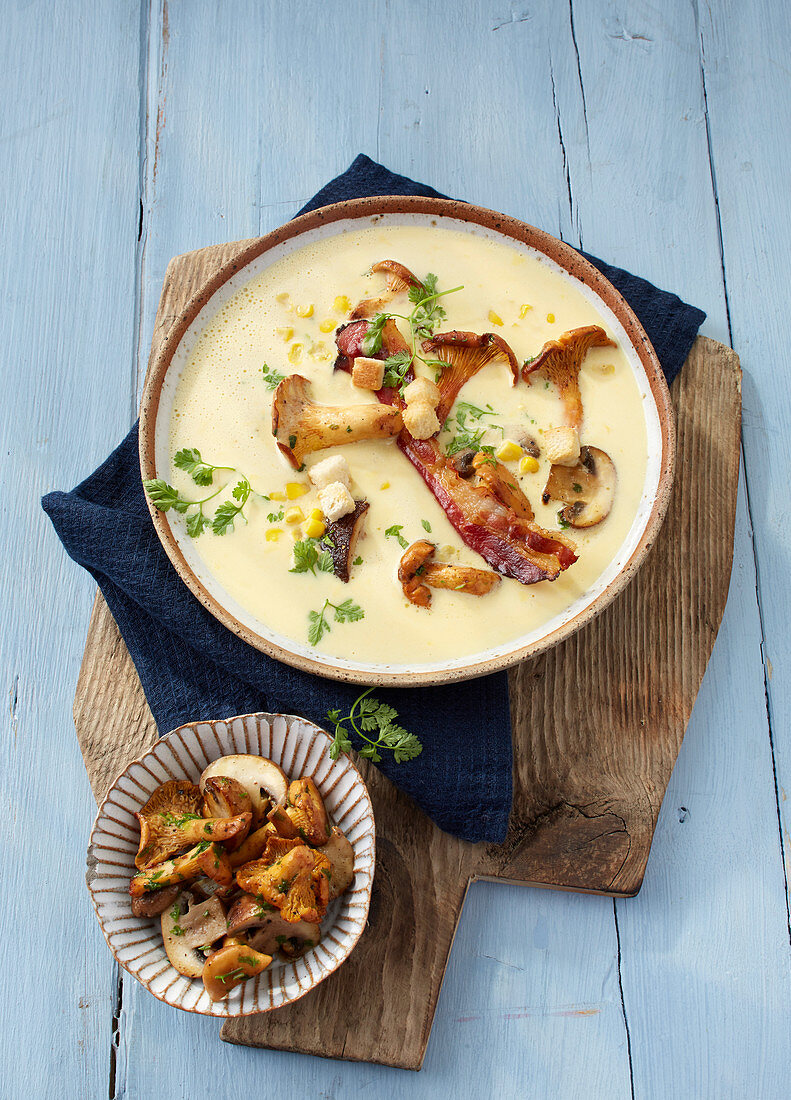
(498, 506)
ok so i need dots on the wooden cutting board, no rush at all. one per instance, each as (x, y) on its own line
(597, 725)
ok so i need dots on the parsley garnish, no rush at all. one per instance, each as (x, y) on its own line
(275, 517)
(271, 377)
(175, 915)
(226, 514)
(422, 321)
(310, 555)
(346, 612)
(189, 459)
(469, 436)
(357, 561)
(394, 532)
(371, 716)
(179, 819)
(424, 523)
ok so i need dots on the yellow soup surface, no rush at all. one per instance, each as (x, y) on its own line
(284, 320)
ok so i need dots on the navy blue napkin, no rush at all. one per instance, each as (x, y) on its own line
(192, 668)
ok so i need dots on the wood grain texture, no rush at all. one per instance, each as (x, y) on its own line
(597, 726)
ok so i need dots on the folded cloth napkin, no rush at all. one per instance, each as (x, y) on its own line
(192, 668)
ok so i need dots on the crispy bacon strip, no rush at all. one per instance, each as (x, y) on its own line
(504, 486)
(560, 361)
(513, 546)
(466, 353)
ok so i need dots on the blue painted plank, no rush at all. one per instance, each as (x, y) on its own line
(745, 63)
(68, 206)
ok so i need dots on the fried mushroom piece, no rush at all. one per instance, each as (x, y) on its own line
(170, 821)
(302, 427)
(297, 884)
(560, 361)
(399, 278)
(264, 781)
(230, 966)
(305, 807)
(270, 931)
(340, 853)
(417, 573)
(466, 353)
(204, 859)
(587, 488)
(151, 905)
(341, 539)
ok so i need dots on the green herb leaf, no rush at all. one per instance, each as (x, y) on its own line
(272, 378)
(197, 524)
(372, 341)
(368, 716)
(394, 532)
(162, 495)
(189, 459)
(396, 367)
(348, 612)
(357, 561)
(424, 523)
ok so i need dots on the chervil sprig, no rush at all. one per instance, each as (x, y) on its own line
(189, 459)
(369, 716)
(227, 513)
(272, 378)
(318, 624)
(310, 555)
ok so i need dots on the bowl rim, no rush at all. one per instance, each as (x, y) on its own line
(566, 257)
(90, 873)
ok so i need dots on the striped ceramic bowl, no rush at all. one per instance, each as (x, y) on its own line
(300, 748)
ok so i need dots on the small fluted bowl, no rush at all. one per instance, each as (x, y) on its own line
(300, 748)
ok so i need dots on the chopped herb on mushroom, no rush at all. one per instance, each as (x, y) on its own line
(587, 488)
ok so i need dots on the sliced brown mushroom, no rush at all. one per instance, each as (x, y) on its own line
(340, 853)
(466, 353)
(341, 538)
(264, 781)
(269, 930)
(587, 488)
(151, 905)
(187, 960)
(399, 278)
(204, 922)
(230, 966)
(418, 573)
(462, 463)
(224, 796)
(503, 484)
(301, 427)
(560, 361)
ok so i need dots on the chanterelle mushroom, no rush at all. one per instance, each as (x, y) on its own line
(296, 884)
(340, 853)
(417, 573)
(560, 361)
(305, 807)
(587, 488)
(301, 427)
(204, 859)
(399, 278)
(466, 353)
(170, 822)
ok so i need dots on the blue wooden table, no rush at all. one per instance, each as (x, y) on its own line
(654, 135)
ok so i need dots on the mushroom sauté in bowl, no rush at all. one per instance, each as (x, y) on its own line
(398, 450)
(231, 866)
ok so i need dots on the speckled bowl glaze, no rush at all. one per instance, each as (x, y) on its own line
(300, 748)
(329, 220)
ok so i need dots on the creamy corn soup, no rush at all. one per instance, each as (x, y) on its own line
(283, 322)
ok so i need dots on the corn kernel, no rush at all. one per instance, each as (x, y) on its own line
(508, 451)
(523, 311)
(316, 513)
(305, 311)
(327, 325)
(341, 304)
(315, 528)
(528, 465)
(385, 485)
(551, 318)
(296, 489)
(282, 297)
(285, 333)
(277, 495)
(494, 318)
(294, 515)
(295, 353)
(273, 534)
